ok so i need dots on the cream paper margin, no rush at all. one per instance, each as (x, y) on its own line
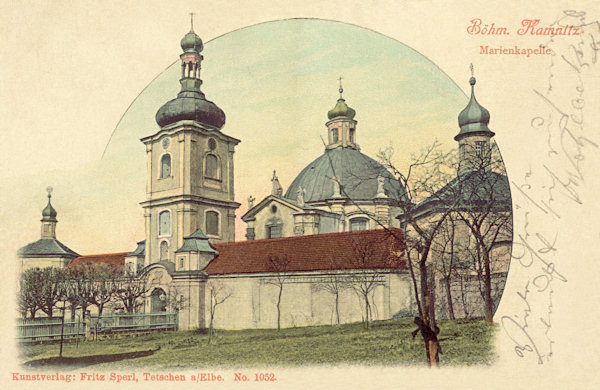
(437, 30)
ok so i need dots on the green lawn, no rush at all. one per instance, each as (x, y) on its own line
(464, 342)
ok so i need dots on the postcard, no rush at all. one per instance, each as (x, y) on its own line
(326, 194)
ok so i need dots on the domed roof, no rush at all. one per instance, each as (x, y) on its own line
(191, 41)
(190, 105)
(48, 213)
(342, 110)
(474, 118)
(357, 174)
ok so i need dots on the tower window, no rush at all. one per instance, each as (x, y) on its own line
(165, 166)
(352, 135)
(211, 166)
(181, 263)
(358, 223)
(212, 223)
(212, 144)
(479, 147)
(164, 223)
(335, 135)
(164, 250)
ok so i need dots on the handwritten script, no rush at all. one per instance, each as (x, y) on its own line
(555, 180)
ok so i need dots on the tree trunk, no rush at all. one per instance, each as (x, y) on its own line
(431, 293)
(449, 297)
(278, 307)
(337, 307)
(433, 353)
(488, 286)
(367, 311)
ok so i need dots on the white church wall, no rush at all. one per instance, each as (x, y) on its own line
(43, 262)
(304, 302)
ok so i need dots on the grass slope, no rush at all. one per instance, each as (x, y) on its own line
(464, 342)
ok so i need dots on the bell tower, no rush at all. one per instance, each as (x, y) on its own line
(189, 184)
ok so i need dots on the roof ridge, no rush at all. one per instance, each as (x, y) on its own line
(105, 254)
(321, 235)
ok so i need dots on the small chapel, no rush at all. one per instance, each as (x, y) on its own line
(309, 251)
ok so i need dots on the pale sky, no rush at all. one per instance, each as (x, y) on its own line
(275, 82)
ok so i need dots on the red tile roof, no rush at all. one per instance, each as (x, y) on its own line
(115, 260)
(364, 249)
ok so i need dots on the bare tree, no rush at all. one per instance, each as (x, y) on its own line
(334, 284)
(423, 179)
(365, 277)
(484, 206)
(445, 250)
(51, 289)
(218, 293)
(29, 295)
(103, 286)
(278, 267)
(130, 289)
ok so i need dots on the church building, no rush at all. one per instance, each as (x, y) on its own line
(316, 254)
(342, 190)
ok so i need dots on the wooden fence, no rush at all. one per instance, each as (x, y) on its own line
(43, 329)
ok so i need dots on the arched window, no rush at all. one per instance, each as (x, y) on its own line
(211, 163)
(352, 135)
(164, 250)
(165, 166)
(335, 136)
(359, 223)
(158, 300)
(164, 223)
(212, 223)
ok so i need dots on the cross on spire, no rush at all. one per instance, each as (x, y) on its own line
(341, 89)
(472, 70)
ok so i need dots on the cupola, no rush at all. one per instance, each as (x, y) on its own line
(191, 103)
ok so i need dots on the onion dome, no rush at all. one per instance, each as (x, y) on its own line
(191, 103)
(48, 213)
(341, 109)
(357, 175)
(474, 118)
(191, 42)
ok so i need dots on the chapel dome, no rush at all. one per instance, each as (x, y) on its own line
(357, 174)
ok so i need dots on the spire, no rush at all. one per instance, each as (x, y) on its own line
(191, 103)
(48, 213)
(341, 109)
(474, 118)
(49, 218)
